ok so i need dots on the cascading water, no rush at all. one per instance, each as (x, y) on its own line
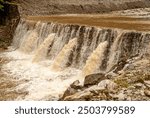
(114, 52)
(62, 57)
(29, 42)
(95, 59)
(69, 49)
(42, 51)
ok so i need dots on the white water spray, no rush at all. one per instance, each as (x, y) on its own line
(41, 52)
(114, 52)
(63, 55)
(29, 43)
(95, 59)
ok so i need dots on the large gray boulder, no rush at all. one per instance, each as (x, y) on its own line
(94, 79)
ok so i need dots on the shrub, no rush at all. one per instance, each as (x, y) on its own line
(4, 3)
(1, 5)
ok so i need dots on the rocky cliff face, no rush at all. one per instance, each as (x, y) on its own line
(46, 7)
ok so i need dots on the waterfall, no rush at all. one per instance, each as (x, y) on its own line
(30, 42)
(29, 35)
(62, 57)
(20, 32)
(65, 53)
(42, 51)
(114, 52)
(95, 59)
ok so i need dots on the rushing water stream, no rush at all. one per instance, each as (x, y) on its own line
(50, 56)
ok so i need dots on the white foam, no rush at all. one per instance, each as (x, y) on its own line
(95, 59)
(42, 84)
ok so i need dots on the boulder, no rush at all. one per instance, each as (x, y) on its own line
(107, 84)
(147, 93)
(72, 89)
(76, 85)
(94, 79)
(79, 96)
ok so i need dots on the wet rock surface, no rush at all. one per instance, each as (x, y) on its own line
(94, 79)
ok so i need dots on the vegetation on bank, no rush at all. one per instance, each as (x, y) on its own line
(1, 4)
(4, 3)
(9, 18)
(8, 10)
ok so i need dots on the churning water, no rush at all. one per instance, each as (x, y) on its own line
(49, 57)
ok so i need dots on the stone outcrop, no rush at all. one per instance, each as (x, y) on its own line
(131, 84)
(94, 79)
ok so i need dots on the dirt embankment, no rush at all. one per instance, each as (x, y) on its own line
(47, 7)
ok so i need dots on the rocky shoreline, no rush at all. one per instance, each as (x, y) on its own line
(132, 84)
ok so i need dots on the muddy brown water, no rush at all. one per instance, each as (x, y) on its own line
(108, 21)
(8, 84)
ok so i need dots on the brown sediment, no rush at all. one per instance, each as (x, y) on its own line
(122, 22)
